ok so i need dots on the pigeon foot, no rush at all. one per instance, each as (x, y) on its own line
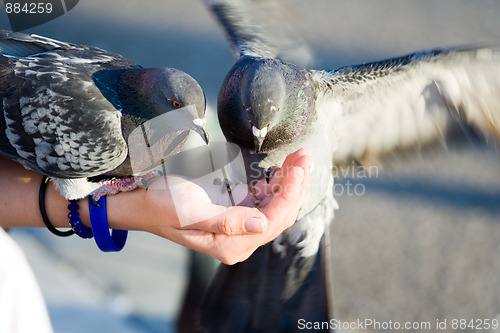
(126, 184)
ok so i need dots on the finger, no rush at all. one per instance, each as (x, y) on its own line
(296, 157)
(227, 249)
(234, 221)
(300, 158)
(283, 205)
(293, 189)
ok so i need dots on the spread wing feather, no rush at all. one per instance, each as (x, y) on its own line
(411, 101)
(258, 28)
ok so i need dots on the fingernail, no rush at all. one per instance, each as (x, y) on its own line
(254, 225)
(301, 176)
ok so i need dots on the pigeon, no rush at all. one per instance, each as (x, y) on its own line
(362, 114)
(70, 112)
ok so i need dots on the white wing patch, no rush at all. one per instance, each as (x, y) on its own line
(49, 41)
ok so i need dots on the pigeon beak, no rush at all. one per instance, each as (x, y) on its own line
(201, 129)
(259, 136)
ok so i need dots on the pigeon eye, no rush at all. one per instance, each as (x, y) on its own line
(176, 104)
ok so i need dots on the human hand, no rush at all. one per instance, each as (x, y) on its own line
(187, 215)
(185, 212)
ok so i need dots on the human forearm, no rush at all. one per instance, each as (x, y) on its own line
(19, 202)
(19, 197)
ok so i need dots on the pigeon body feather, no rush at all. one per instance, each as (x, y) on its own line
(68, 109)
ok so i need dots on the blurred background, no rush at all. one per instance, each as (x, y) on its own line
(419, 242)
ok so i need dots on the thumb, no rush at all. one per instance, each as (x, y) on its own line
(236, 220)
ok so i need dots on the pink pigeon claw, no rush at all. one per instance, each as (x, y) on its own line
(113, 186)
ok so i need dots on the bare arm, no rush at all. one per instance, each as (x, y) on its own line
(229, 234)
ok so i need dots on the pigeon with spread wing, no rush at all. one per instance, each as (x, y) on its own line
(68, 110)
(271, 107)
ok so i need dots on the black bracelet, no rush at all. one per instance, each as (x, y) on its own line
(41, 204)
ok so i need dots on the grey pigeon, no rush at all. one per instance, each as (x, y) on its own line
(363, 113)
(68, 110)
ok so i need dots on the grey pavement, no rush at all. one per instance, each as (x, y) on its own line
(418, 242)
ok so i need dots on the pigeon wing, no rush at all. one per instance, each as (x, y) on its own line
(391, 106)
(54, 118)
(22, 45)
(258, 28)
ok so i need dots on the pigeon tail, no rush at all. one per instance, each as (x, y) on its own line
(251, 296)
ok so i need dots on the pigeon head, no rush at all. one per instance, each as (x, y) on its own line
(160, 104)
(146, 93)
(263, 94)
(173, 89)
(264, 103)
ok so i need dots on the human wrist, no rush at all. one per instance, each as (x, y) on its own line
(125, 210)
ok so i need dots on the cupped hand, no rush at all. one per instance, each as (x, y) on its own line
(189, 213)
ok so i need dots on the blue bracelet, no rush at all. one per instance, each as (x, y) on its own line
(107, 242)
(76, 223)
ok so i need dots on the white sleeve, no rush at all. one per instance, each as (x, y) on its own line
(22, 308)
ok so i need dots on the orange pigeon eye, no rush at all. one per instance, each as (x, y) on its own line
(176, 104)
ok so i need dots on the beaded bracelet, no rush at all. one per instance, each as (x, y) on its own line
(76, 224)
(45, 218)
(107, 242)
